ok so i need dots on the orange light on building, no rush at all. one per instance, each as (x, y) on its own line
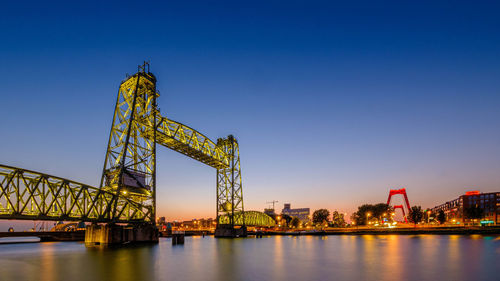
(474, 192)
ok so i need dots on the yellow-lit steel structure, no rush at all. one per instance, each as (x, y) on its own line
(252, 218)
(127, 191)
(29, 195)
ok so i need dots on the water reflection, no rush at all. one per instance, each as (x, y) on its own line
(346, 257)
(47, 262)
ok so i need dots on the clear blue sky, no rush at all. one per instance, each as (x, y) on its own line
(333, 104)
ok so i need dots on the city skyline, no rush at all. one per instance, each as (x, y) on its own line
(328, 113)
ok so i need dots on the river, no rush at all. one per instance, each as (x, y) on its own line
(343, 257)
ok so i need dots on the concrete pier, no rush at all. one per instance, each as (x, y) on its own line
(178, 238)
(223, 231)
(113, 234)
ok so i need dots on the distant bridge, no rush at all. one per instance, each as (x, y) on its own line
(254, 218)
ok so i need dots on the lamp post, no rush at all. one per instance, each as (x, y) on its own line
(367, 217)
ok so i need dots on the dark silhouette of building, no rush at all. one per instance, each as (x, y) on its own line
(269, 212)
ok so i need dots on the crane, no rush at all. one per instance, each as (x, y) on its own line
(272, 202)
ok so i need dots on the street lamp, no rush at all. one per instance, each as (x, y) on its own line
(367, 217)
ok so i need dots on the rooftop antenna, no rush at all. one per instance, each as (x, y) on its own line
(143, 67)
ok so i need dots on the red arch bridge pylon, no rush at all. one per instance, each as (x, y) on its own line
(401, 191)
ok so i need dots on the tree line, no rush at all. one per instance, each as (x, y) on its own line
(378, 212)
(372, 214)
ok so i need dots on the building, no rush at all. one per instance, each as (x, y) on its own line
(455, 209)
(161, 221)
(302, 213)
(269, 212)
(195, 224)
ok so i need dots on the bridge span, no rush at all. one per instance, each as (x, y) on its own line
(127, 191)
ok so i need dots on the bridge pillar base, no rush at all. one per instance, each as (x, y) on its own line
(227, 231)
(112, 234)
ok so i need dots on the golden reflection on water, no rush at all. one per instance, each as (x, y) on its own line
(369, 255)
(453, 256)
(344, 257)
(47, 262)
(127, 263)
(429, 251)
(391, 254)
(278, 265)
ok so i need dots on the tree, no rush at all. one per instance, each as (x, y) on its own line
(367, 212)
(416, 214)
(321, 216)
(361, 216)
(428, 214)
(380, 209)
(474, 212)
(295, 222)
(338, 219)
(441, 217)
(286, 218)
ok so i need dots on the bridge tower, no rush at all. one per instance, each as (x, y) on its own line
(130, 164)
(230, 211)
(401, 191)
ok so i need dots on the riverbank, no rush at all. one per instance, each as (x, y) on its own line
(80, 235)
(491, 230)
(48, 236)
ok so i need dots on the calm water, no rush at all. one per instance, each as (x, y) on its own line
(422, 257)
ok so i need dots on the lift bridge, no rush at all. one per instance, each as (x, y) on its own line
(127, 192)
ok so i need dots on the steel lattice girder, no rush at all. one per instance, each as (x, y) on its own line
(229, 187)
(130, 164)
(252, 218)
(190, 142)
(30, 195)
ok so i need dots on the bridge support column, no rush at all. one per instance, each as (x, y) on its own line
(112, 234)
(227, 231)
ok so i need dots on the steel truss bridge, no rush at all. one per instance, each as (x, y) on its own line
(253, 218)
(127, 192)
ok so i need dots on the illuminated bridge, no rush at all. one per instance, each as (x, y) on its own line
(127, 192)
(253, 218)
